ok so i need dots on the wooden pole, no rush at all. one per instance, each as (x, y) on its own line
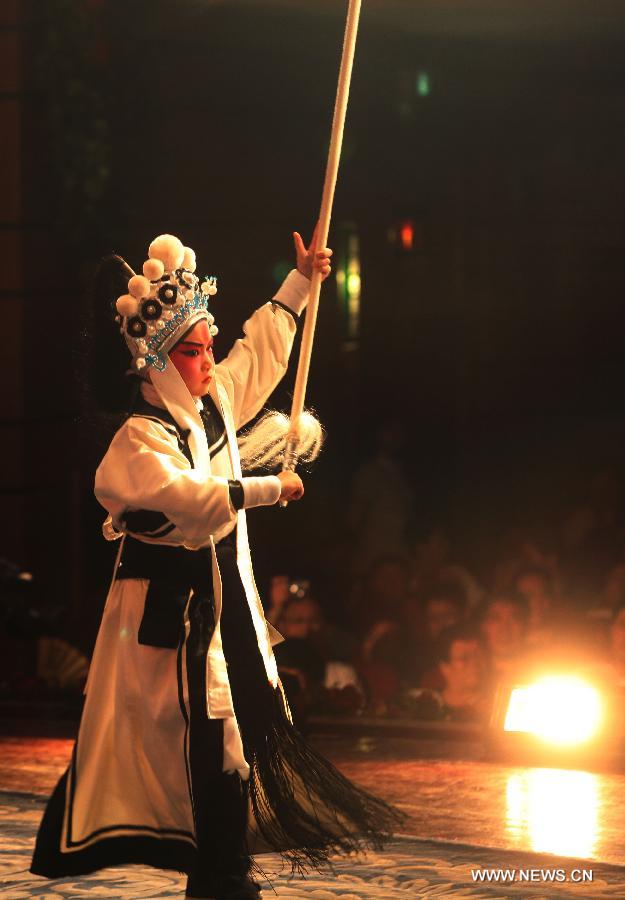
(327, 197)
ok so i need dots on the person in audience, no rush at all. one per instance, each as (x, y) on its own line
(592, 538)
(517, 550)
(503, 625)
(385, 610)
(279, 593)
(617, 646)
(598, 619)
(313, 675)
(614, 588)
(380, 501)
(443, 605)
(463, 666)
(433, 563)
(536, 586)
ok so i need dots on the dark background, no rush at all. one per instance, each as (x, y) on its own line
(497, 339)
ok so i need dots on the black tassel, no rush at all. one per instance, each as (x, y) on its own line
(303, 806)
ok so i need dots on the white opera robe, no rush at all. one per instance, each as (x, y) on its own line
(127, 785)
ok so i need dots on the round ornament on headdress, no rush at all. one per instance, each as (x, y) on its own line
(153, 269)
(139, 286)
(136, 327)
(188, 260)
(168, 293)
(127, 305)
(169, 250)
(151, 309)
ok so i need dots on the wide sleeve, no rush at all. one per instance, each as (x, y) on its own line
(260, 358)
(144, 469)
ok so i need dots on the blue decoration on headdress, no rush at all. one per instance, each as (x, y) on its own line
(157, 361)
(167, 322)
(199, 302)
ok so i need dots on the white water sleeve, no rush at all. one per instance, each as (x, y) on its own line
(263, 490)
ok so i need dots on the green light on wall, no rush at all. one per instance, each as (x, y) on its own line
(348, 280)
(423, 84)
(281, 270)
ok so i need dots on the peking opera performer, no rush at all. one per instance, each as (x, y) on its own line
(186, 756)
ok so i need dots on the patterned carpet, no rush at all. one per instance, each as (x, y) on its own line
(408, 868)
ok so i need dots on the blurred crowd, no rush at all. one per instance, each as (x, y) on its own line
(419, 634)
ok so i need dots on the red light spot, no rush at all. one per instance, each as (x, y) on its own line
(406, 235)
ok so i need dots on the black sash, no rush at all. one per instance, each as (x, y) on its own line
(172, 572)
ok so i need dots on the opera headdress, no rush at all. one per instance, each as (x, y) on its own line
(163, 303)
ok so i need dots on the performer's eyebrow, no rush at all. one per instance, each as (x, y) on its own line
(194, 343)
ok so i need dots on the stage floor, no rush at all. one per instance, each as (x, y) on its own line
(549, 831)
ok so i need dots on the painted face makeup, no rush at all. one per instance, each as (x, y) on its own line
(193, 358)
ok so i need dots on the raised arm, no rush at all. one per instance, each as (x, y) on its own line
(258, 361)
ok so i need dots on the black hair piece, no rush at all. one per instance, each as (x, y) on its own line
(102, 357)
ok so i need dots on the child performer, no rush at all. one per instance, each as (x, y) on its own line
(186, 756)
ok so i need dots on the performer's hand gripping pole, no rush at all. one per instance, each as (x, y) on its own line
(332, 167)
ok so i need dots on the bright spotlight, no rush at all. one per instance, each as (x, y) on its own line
(560, 710)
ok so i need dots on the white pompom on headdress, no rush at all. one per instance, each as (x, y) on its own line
(164, 302)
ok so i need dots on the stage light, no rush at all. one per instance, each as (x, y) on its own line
(564, 711)
(406, 235)
(348, 281)
(353, 285)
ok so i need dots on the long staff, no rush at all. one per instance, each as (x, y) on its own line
(327, 197)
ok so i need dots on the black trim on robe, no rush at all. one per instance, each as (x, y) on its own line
(148, 522)
(286, 309)
(161, 853)
(237, 494)
(161, 418)
(152, 523)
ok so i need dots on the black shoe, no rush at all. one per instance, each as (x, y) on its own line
(237, 887)
(230, 887)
